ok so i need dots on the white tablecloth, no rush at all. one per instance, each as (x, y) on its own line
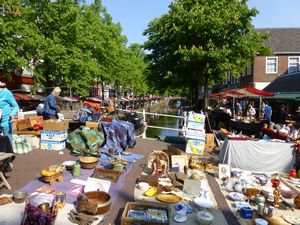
(258, 156)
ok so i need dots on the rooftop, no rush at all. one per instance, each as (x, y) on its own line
(283, 40)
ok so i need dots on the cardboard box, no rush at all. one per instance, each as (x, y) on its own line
(196, 117)
(53, 145)
(195, 134)
(91, 124)
(195, 146)
(23, 124)
(47, 135)
(54, 125)
(35, 120)
(125, 220)
(195, 125)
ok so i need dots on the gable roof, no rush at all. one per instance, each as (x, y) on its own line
(285, 83)
(283, 40)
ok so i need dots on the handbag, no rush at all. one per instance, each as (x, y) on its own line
(35, 216)
(21, 145)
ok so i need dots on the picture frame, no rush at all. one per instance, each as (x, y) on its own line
(224, 170)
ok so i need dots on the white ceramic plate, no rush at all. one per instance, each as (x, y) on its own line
(235, 196)
(292, 219)
(180, 218)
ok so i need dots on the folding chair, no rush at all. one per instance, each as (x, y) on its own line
(4, 157)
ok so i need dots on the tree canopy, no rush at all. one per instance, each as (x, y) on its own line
(198, 42)
(67, 43)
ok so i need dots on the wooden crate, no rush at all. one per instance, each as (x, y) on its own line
(143, 206)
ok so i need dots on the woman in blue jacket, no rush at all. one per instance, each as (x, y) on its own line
(50, 106)
(9, 108)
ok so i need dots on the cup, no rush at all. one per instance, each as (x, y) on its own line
(260, 209)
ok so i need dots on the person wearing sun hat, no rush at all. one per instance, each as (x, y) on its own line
(8, 109)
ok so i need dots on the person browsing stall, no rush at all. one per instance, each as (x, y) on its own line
(8, 109)
(268, 112)
(51, 108)
(251, 112)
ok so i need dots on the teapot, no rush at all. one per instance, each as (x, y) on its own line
(237, 187)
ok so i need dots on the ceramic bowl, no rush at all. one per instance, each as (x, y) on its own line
(143, 186)
(69, 164)
(19, 197)
(203, 202)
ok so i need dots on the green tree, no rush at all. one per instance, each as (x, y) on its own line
(197, 42)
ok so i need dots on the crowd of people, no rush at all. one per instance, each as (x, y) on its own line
(9, 109)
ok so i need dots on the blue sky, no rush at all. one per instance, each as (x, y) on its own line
(134, 15)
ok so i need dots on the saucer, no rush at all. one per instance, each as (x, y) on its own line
(180, 218)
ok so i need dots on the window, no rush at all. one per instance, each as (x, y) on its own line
(294, 64)
(271, 64)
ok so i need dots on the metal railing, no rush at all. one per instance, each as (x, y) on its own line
(144, 113)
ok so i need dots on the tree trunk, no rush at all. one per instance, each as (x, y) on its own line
(205, 96)
(102, 91)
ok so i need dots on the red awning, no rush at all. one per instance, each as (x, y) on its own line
(246, 92)
(22, 97)
(111, 99)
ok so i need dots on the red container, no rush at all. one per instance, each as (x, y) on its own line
(275, 182)
(293, 173)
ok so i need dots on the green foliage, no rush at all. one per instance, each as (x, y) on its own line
(67, 43)
(198, 42)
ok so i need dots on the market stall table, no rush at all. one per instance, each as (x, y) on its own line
(245, 127)
(258, 156)
(191, 217)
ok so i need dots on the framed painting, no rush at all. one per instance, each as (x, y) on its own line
(224, 170)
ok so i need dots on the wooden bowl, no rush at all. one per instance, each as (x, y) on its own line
(19, 197)
(88, 162)
(69, 165)
(94, 202)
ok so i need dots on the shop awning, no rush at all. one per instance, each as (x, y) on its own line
(94, 99)
(111, 99)
(22, 97)
(285, 95)
(246, 92)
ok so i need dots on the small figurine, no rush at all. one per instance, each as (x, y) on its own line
(276, 196)
(160, 166)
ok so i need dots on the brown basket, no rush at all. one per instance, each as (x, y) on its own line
(88, 162)
(94, 202)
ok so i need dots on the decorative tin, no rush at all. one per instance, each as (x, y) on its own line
(61, 199)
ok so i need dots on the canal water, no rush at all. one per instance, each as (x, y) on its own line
(163, 121)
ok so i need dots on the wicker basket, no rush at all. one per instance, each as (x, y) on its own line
(88, 162)
(162, 155)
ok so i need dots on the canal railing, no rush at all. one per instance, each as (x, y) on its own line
(144, 114)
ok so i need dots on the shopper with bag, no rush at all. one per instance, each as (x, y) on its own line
(9, 108)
